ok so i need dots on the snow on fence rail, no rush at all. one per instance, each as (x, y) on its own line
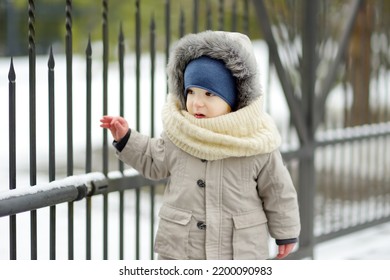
(71, 188)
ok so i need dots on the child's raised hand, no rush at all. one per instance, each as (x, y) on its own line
(118, 126)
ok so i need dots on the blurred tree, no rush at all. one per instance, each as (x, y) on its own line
(359, 65)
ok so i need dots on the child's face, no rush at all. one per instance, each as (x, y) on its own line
(203, 104)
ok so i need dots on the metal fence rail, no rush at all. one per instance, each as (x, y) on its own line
(340, 171)
(69, 189)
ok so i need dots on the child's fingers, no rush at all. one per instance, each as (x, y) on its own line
(106, 119)
(109, 121)
(105, 125)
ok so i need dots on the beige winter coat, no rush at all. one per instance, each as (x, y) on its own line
(218, 209)
(228, 188)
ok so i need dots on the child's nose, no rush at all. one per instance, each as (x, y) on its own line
(198, 100)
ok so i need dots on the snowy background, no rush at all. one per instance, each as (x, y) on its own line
(373, 243)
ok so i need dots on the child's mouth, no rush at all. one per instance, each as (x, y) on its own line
(199, 116)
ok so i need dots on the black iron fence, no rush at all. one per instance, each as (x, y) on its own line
(84, 204)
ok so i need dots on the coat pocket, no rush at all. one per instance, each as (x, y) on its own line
(250, 235)
(173, 232)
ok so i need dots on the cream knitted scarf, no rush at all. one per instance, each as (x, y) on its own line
(246, 132)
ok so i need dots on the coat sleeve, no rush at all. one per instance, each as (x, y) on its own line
(279, 197)
(146, 155)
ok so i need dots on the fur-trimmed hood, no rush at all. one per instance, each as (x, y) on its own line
(235, 49)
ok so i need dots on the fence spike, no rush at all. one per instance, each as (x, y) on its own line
(88, 50)
(51, 62)
(11, 73)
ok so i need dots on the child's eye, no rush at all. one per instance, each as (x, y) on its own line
(189, 91)
(209, 93)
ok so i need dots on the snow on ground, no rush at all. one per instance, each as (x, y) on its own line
(369, 244)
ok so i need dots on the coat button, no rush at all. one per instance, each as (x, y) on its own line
(201, 225)
(201, 183)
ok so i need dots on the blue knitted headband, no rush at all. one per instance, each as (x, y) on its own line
(211, 75)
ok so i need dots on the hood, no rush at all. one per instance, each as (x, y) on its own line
(235, 49)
